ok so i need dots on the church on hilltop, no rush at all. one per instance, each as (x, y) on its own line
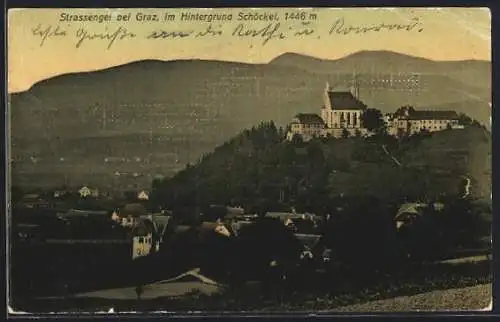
(341, 115)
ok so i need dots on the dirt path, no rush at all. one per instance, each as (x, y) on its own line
(396, 161)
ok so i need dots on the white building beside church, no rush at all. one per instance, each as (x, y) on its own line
(408, 121)
(342, 115)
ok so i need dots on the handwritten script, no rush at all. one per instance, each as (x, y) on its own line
(264, 33)
(109, 37)
(47, 32)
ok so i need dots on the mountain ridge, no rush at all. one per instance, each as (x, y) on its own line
(271, 61)
(377, 52)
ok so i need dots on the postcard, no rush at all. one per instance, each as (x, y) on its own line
(250, 160)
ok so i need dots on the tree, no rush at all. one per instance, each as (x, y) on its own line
(130, 195)
(404, 110)
(16, 194)
(372, 119)
(465, 120)
(297, 139)
(345, 133)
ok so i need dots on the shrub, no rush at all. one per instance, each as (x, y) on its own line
(363, 236)
(441, 233)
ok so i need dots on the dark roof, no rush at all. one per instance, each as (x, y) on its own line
(86, 212)
(433, 115)
(309, 118)
(31, 196)
(143, 227)
(133, 209)
(345, 101)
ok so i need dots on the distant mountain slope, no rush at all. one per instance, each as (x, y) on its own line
(207, 102)
(470, 72)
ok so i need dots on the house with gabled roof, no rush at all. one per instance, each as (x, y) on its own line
(144, 238)
(143, 195)
(307, 126)
(408, 213)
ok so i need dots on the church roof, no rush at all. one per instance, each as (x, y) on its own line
(344, 100)
(305, 118)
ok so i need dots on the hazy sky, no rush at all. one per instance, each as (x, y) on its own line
(41, 46)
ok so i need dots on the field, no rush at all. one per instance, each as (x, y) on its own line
(462, 285)
(467, 298)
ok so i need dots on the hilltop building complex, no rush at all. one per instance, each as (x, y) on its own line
(408, 121)
(342, 115)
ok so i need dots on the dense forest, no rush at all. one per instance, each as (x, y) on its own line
(261, 171)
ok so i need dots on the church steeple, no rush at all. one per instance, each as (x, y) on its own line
(355, 85)
(326, 97)
(328, 88)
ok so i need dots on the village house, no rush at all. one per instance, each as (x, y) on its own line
(143, 195)
(147, 234)
(88, 192)
(129, 214)
(147, 229)
(34, 201)
(408, 213)
(116, 217)
(408, 121)
(60, 193)
(144, 238)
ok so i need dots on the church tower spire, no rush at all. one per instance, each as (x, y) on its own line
(326, 97)
(355, 85)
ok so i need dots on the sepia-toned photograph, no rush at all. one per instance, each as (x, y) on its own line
(257, 160)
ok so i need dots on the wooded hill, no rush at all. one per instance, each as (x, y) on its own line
(261, 171)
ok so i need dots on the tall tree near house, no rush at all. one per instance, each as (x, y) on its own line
(463, 119)
(403, 110)
(372, 120)
(130, 195)
(297, 139)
